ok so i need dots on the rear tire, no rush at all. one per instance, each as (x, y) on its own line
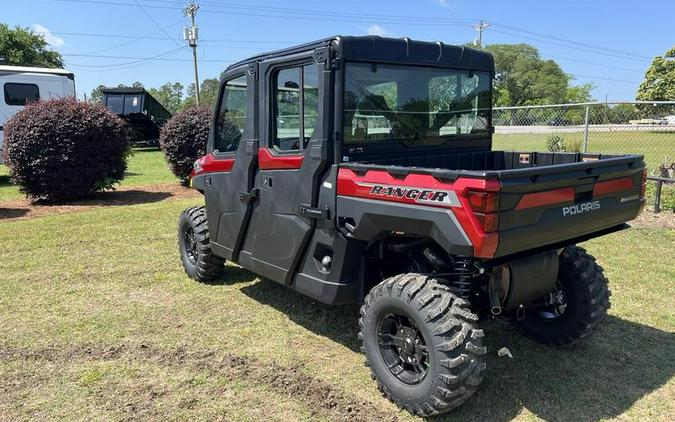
(422, 344)
(586, 296)
(194, 245)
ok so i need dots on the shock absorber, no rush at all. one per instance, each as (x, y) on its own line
(462, 277)
(458, 273)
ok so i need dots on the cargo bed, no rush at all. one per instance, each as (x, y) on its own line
(545, 198)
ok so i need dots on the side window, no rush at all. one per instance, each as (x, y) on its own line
(231, 117)
(287, 109)
(19, 94)
(310, 95)
(296, 107)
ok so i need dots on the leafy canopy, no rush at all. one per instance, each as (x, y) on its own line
(23, 47)
(522, 77)
(659, 83)
(170, 95)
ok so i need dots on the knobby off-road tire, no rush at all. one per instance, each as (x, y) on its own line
(586, 295)
(196, 255)
(434, 320)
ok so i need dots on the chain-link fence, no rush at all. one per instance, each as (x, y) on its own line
(637, 127)
(646, 128)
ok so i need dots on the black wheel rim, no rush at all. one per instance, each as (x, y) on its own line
(552, 306)
(403, 348)
(190, 244)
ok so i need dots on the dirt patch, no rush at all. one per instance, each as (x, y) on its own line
(664, 219)
(290, 381)
(132, 195)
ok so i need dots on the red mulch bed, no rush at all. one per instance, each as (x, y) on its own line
(24, 208)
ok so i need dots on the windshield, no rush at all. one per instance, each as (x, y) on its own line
(414, 105)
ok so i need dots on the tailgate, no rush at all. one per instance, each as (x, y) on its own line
(542, 206)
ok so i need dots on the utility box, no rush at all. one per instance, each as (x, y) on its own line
(143, 114)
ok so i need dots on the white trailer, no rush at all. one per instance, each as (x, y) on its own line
(20, 85)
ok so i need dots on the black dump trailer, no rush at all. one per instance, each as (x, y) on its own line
(143, 114)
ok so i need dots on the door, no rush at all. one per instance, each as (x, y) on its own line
(291, 160)
(232, 147)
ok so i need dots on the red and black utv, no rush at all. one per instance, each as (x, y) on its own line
(360, 170)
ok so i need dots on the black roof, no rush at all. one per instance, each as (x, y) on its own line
(390, 50)
(126, 90)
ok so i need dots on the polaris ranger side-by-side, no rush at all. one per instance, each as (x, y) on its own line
(360, 170)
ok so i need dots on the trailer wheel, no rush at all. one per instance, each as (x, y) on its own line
(421, 343)
(196, 255)
(579, 303)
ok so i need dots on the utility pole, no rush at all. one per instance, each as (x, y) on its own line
(191, 35)
(482, 26)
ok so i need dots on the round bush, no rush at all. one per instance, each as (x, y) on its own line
(183, 139)
(62, 149)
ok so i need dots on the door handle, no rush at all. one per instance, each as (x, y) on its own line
(267, 182)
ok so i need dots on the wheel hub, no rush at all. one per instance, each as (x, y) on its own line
(190, 242)
(403, 348)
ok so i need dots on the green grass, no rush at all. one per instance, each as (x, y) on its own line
(149, 167)
(98, 321)
(656, 147)
(145, 167)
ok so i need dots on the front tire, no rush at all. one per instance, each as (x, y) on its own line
(576, 308)
(194, 245)
(422, 344)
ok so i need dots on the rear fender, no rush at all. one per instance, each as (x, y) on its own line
(369, 220)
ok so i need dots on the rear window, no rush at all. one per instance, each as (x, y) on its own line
(19, 94)
(414, 105)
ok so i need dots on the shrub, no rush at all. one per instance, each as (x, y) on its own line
(62, 149)
(555, 143)
(183, 139)
(573, 146)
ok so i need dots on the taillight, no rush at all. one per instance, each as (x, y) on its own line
(198, 166)
(485, 207)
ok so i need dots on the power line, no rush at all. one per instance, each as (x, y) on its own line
(297, 14)
(603, 78)
(155, 22)
(240, 6)
(577, 48)
(583, 44)
(595, 64)
(133, 40)
(332, 17)
(98, 56)
(136, 60)
(149, 37)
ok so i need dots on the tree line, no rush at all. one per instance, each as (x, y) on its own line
(522, 76)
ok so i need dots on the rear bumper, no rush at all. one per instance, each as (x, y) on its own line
(550, 227)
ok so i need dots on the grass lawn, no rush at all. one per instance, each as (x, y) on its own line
(146, 167)
(656, 147)
(99, 322)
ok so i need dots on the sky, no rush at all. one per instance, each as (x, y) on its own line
(109, 42)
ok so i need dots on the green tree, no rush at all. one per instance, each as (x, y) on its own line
(579, 93)
(170, 95)
(23, 47)
(208, 93)
(659, 84)
(524, 78)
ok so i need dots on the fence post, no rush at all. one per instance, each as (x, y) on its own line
(586, 130)
(657, 196)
